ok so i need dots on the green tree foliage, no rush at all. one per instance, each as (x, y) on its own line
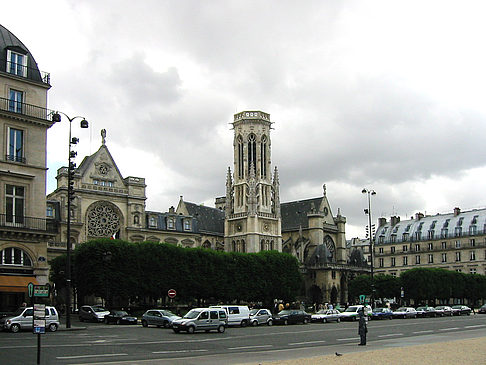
(124, 270)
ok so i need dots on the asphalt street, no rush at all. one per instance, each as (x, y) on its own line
(111, 344)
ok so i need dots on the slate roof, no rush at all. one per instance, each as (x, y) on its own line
(210, 220)
(294, 214)
(9, 41)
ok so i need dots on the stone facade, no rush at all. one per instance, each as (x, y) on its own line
(454, 241)
(24, 121)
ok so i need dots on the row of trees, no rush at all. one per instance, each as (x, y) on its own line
(140, 272)
(422, 285)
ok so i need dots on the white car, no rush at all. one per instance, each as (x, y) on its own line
(351, 313)
(405, 312)
(326, 315)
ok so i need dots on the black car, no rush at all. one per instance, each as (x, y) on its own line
(459, 310)
(120, 317)
(291, 316)
(482, 309)
(426, 312)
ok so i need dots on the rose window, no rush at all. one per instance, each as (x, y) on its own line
(103, 221)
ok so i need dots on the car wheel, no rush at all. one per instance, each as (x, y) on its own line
(166, 324)
(107, 321)
(244, 323)
(53, 327)
(285, 322)
(254, 323)
(118, 321)
(144, 324)
(338, 320)
(15, 328)
(305, 321)
(221, 328)
(270, 322)
(175, 330)
(190, 329)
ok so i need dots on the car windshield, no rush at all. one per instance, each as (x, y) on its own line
(402, 309)
(192, 314)
(322, 311)
(284, 312)
(168, 313)
(19, 311)
(121, 313)
(352, 309)
(253, 312)
(457, 307)
(99, 309)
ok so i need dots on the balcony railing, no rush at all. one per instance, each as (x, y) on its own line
(28, 223)
(29, 110)
(428, 237)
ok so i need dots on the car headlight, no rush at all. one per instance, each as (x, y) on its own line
(8, 321)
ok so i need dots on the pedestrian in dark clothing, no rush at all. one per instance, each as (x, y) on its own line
(362, 328)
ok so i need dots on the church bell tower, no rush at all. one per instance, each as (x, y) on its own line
(252, 212)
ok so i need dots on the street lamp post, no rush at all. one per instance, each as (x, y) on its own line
(370, 192)
(56, 117)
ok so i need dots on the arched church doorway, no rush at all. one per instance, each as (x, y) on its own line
(315, 294)
(334, 294)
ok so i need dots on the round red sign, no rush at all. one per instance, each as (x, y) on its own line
(171, 293)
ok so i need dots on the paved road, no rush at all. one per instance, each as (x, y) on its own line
(111, 344)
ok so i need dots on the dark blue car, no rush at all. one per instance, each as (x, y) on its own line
(382, 313)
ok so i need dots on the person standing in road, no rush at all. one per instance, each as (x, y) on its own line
(362, 327)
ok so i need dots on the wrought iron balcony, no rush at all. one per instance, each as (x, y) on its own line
(20, 70)
(28, 223)
(28, 110)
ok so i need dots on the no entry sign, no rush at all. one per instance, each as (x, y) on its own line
(171, 293)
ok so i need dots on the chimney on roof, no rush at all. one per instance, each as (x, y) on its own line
(172, 210)
(381, 222)
(419, 216)
(457, 211)
(394, 220)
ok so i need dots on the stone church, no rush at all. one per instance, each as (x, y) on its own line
(249, 218)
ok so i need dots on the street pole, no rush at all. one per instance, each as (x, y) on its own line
(56, 117)
(370, 230)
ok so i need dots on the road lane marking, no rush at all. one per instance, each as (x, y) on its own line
(476, 326)
(87, 356)
(391, 335)
(305, 343)
(449, 329)
(249, 347)
(177, 351)
(348, 339)
(426, 331)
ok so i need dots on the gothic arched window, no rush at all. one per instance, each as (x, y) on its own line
(251, 152)
(263, 157)
(14, 256)
(240, 157)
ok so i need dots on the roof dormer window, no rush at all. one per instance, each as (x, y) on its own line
(16, 63)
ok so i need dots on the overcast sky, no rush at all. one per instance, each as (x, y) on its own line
(387, 95)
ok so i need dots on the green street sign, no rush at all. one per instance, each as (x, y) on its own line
(42, 291)
(30, 288)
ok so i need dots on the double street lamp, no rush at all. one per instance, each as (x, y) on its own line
(370, 192)
(56, 117)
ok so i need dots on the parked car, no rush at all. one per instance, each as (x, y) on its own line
(326, 315)
(159, 318)
(120, 317)
(94, 313)
(405, 312)
(426, 312)
(292, 316)
(261, 316)
(202, 319)
(443, 310)
(382, 313)
(22, 319)
(351, 313)
(238, 315)
(459, 310)
(482, 309)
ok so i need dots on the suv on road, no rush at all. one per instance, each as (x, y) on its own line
(158, 317)
(202, 319)
(23, 319)
(94, 313)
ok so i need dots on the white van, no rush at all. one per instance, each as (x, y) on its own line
(201, 319)
(22, 319)
(238, 315)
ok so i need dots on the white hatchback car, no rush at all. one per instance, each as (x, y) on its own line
(23, 319)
